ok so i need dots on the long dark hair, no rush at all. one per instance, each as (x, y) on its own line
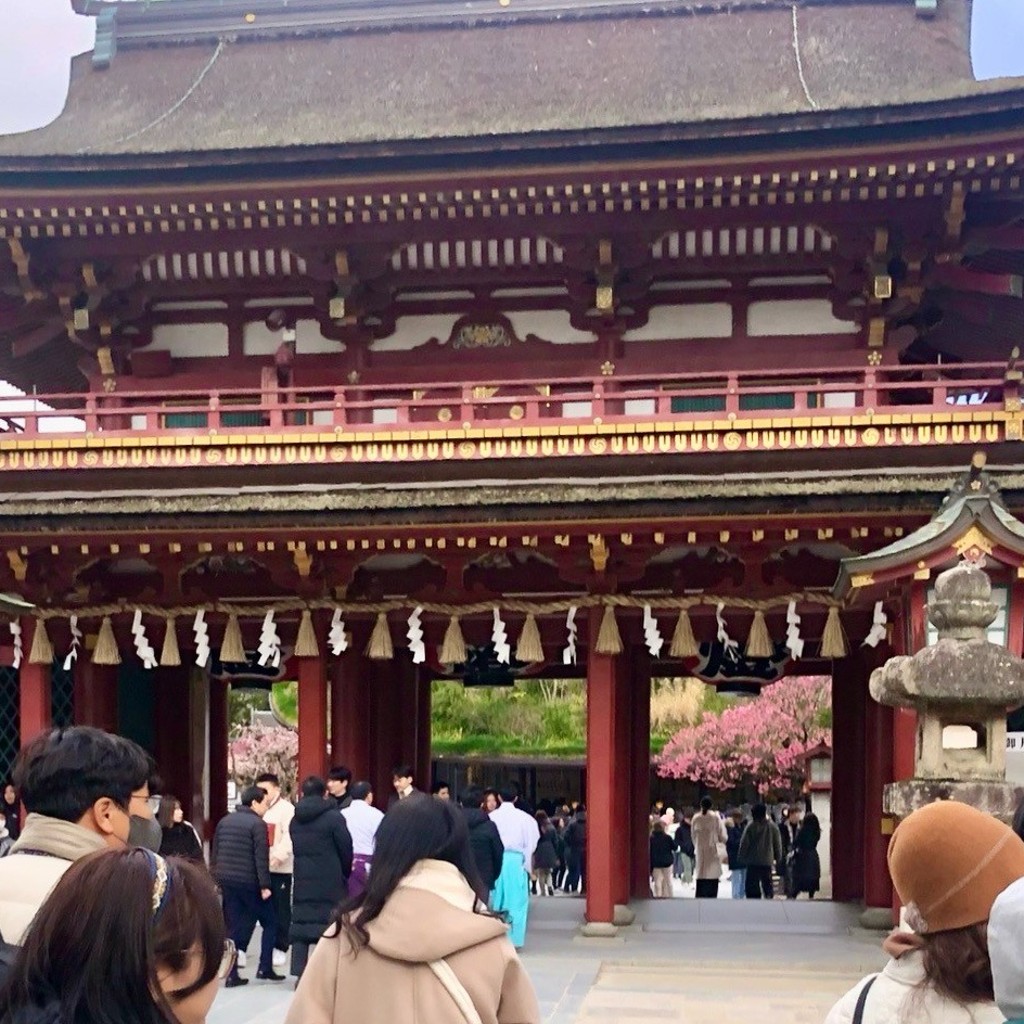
(96, 944)
(413, 830)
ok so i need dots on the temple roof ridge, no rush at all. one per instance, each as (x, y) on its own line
(155, 22)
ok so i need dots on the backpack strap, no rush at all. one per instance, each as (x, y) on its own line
(862, 1000)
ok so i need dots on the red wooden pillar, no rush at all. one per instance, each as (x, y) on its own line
(424, 691)
(879, 744)
(312, 673)
(217, 771)
(95, 694)
(350, 716)
(603, 779)
(35, 690)
(622, 845)
(640, 776)
(848, 705)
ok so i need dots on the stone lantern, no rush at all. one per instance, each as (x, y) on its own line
(960, 686)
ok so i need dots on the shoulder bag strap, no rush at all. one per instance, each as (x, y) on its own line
(444, 974)
(862, 1001)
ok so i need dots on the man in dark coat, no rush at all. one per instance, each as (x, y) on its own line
(576, 852)
(322, 847)
(240, 862)
(484, 839)
(339, 782)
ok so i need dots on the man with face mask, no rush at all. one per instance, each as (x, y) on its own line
(84, 790)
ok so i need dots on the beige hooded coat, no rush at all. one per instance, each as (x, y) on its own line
(428, 918)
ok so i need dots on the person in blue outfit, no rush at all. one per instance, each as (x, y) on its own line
(519, 835)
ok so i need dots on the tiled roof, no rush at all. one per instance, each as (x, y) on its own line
(678, 64)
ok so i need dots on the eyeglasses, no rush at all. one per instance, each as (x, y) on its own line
(228, 961)
(152, 802)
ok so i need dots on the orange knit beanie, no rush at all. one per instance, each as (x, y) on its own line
(949, 862)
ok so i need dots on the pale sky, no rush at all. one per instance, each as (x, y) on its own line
(40, 37)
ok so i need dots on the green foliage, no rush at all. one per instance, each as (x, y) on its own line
(284, 702)
(241, 705)
(536, 717)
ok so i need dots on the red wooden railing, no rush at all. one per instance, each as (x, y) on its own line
(606, 399)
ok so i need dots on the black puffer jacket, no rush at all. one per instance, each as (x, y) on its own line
(323, 862)
(545, 857)
(241, 853)
(485, 842)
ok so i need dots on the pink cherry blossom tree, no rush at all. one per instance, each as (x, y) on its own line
(261, 748)
(762, 741)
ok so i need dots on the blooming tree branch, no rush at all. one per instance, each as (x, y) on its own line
(763, 741)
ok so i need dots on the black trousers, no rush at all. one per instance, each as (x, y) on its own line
(281, 887)
(243, 908)
(707, 889)
(300, 955)
(759, 882)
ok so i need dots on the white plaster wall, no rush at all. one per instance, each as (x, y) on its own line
(795, 316)
(550, 324)
(191, 340)
(821, 804)
(260, 340)
(413, 331)
(692, 320)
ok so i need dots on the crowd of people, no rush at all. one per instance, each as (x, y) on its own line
(752, 847)
(109, 912)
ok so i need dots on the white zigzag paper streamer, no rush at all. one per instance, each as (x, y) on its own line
(337, 638)
(878, 623)
(270, 642)
(414, 634)
(19, 646)
(143, 648)
(652, 634)
(201, 632)
(76, 643)
(499, 637)
(569, 652)
(794, 641)
(731, 647)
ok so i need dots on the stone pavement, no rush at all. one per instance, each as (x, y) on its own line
(684, 960)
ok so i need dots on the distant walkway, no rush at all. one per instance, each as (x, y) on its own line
(698, 961)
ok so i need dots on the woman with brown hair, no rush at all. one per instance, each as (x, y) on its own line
(180, 838)
(126, 937)
(948, 862)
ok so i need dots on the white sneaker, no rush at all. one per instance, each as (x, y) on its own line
(241, 959)
(280, 958)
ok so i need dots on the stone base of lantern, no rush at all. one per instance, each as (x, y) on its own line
(999, 799)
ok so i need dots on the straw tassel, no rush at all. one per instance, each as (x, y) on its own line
(232, 650)
(169, 655)
(380, 647)
(42, 649)
(684, 643)
(759, 643)
(609, 640)
(453, 650)
(305, 643)
(529, 649)
(833, 640)
(106, 652)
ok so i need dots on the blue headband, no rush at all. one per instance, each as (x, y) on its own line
(161, 881)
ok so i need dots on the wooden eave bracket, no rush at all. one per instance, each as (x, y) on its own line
(926, 8)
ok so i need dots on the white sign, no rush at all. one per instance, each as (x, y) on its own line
(1015, 742)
